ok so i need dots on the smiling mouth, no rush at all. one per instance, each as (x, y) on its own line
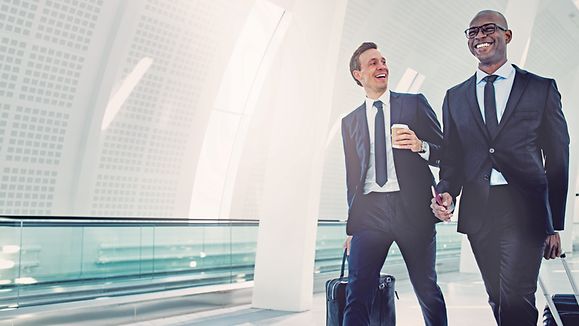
(482, 45)
(382, 76)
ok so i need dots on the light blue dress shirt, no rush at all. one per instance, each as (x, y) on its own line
(503, 85)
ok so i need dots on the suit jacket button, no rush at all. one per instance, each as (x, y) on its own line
(486, 177)
(491, 150)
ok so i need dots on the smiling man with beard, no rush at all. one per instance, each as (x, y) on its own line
(506, 147)
(388, 189)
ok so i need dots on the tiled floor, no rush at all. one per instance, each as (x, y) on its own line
(464, 294)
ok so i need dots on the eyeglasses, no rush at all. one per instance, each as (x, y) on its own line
(486, 29)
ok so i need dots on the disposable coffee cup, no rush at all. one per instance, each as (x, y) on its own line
(395, 127)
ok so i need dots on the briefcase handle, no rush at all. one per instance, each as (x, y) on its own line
(343, 262)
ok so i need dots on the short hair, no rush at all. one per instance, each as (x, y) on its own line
(355, 59)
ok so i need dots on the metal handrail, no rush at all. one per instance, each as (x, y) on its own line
(32, 221)
(78, 221)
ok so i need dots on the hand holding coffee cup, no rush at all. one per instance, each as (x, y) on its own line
(404, 138)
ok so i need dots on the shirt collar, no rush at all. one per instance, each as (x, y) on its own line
(385, 98)
(504, 72)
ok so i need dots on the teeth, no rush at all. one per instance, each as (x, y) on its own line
(380, 75)
(482, 45)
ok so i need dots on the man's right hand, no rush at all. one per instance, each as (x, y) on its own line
(347, 244)
(442, 212)
(552, 246)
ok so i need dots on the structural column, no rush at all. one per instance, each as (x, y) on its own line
(303, 81)
(570, 100)
(521, 16)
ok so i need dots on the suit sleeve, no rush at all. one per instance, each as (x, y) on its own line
(554, 141)
(451, 173)
(350, 157)
(429, 129)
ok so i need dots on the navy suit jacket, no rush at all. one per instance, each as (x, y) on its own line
(414, 175)
(532, 130)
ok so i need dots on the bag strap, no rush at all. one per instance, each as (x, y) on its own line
(343, 262)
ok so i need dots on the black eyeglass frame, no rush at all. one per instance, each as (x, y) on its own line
(480, 28)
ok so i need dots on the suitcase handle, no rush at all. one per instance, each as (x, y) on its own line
(343, 262)
(550, 302)
(570, 276)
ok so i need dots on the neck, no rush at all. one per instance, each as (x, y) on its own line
(373, 94)
(490, 68)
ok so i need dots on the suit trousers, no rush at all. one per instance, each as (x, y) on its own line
(508, 251)
(386, 222)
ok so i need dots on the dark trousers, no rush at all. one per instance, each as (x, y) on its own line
(387, 222)
(508, 251)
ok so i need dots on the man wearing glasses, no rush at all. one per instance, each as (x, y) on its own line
(506, 147)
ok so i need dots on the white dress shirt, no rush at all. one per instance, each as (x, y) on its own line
(503, 85)
(370, 184)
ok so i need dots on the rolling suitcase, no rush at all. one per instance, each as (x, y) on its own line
(383, 309)
(561, 309)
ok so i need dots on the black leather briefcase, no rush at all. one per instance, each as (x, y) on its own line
(383, 309)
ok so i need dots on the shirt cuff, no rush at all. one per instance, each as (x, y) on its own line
(426, 154)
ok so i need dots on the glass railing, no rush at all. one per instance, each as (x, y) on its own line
(51, 260)
(54, 260)
(331, 236)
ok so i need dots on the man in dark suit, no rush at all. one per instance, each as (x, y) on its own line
(506, 146)
(389, 188)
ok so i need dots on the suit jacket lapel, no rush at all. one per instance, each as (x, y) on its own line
(362, 136)
(395, 109)
(473, 105)
(519, 85)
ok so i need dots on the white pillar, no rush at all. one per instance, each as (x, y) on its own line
(520, 15)
(303, 77)
(570, 100)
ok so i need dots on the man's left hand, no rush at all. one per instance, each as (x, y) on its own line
(552, 246)
(406, 139)
(347, 243)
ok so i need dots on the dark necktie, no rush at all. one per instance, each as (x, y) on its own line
(380, 146)
(490, 105)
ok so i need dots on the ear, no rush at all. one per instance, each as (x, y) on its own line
(357, 74)
(508, 36)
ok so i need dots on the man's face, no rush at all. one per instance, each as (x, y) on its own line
(373, 73)
(492, 48)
